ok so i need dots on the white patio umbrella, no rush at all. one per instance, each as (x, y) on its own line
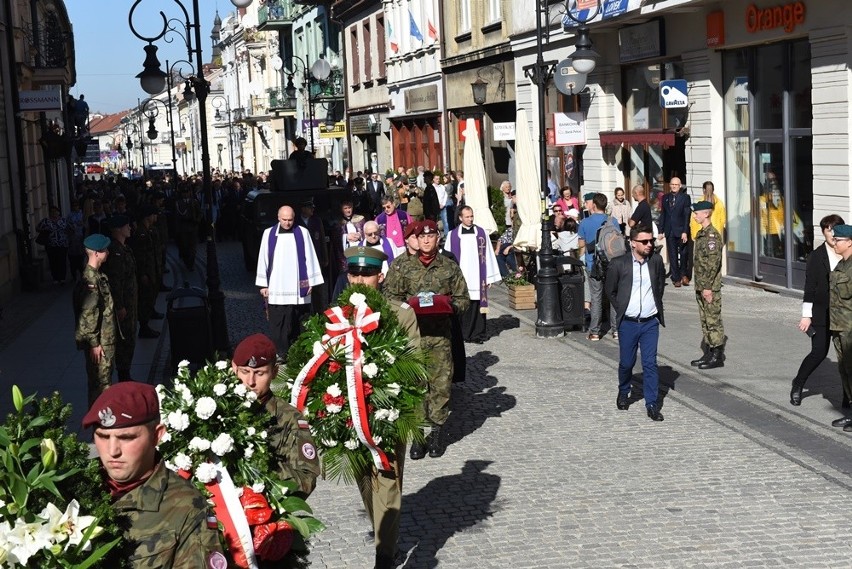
(475, 186)
(527, 180)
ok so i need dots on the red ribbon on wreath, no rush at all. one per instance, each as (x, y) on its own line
(340, 330)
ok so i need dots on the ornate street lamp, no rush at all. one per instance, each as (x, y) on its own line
(218, 116)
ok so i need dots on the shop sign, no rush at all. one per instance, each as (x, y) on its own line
(642, 41)
(41, 100)
(715, 29)
(741, 90)
(786, 16)
(364, 124)
(337, 130)
(421, 99)
(569, 129)
(673, 94)
(590, 11)
(504, 131)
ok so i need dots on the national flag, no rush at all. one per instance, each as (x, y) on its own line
(415, 31)
(394, 45)
(430, 29)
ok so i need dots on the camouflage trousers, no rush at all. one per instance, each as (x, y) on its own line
(843, 346)
(381, 493)
(439, 371)
(125, 344)
(100, 374)
(710, 314)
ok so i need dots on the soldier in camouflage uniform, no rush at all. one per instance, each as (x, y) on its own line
(410, 279)
(840, 314)
(147, 273)
(162, 235)
(95, 317)
(708, 288)
(254, 363)
(170, 522)
(120, 268)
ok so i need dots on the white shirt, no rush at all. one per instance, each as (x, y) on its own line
(442, 195)
(642, 304)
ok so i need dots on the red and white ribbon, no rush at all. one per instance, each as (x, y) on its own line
(340, 330)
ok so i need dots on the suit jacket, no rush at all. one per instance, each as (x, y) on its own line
(619, 284)
(674, 218)
(816, 285)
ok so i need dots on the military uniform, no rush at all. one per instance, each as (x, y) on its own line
(169, 524)
(188, 213)
(293, 446)
(120, 268)
(406, 278)
(840, 317)
(147, 273)
(93, 309)
(708, 276)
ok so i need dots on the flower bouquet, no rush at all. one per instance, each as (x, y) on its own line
(217, 435)
(41, 466)
(359, 382)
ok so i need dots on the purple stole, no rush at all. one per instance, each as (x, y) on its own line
(387, 247)
(304, 287)
(481, 244)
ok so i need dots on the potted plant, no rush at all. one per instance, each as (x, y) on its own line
(522, 294)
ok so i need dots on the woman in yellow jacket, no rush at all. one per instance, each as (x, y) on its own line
(718, 219)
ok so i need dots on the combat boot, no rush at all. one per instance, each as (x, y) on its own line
(437, 448)
(418, 450)
(704, 348)
(716, 359)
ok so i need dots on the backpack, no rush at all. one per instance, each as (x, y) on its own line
(609, 244)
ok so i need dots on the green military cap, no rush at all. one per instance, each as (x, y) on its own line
(589, 196)
(97, 242)
(364, 260)
(843, 231)
(702, 205)
(117, 221)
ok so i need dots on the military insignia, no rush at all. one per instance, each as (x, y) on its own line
(304, 424)
(91, 286)
(252, 362)
(212, 522)
(216, 560)
(308, 451)
(106, 417)
(711, 245)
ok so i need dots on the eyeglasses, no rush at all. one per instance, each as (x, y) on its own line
(373, 234)
(644, 241)
(557, 210)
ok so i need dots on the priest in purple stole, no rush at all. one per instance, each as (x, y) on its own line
(373, 238)
(287, 270)
(471, 246)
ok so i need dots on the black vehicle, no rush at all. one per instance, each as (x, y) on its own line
(292, 183)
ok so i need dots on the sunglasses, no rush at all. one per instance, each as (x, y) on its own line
(644, 241)
(557, 210)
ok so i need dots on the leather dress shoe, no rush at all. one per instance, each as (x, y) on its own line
(418, 451)
(677, 284)
(685, 281)
(847, 428)
(654, 414)
(842, 422)
(623, 401)
(796, 395)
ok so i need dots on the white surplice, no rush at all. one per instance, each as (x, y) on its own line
(283, 284)
(469, 261)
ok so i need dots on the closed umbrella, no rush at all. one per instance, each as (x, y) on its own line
(475, 186)
(527, 191)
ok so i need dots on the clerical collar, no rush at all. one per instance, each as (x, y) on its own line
(467, 230)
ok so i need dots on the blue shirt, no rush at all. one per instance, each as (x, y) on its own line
(642, 304)
(588, 232)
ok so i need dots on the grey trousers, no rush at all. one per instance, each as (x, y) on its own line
(596, 297)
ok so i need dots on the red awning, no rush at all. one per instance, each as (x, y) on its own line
(634, 137)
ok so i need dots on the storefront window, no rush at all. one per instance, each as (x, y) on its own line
(769, 90)
(801, 109)
(738, 194)
(802, 195)
(736, 90)
(642, 93)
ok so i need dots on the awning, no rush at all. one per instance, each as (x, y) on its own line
(660, 137)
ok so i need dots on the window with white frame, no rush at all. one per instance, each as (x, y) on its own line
(495, 10)
(464, 16)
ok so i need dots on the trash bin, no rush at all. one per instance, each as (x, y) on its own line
(571, 293)
(190, 332)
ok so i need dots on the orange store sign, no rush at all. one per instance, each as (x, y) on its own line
(786, 16)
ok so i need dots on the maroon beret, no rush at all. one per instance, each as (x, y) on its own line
(125, 404)
(427, 227)
(411, 229)
(440, 305)
(255, 351)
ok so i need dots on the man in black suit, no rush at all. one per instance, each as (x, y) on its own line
(376, 190)
(674, 223)
(634, 284)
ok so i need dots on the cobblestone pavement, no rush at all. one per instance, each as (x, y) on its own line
(543, 471)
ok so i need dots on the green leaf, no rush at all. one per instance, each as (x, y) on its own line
(38, 421)
(48, 485)
(294, 504)
(33, 474)
(17, 399)
(98, 554)
(299, 525)
(314, 525)
(27, 445)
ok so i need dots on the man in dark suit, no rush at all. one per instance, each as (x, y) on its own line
(376, 190)
(674, 223)
(634, 284)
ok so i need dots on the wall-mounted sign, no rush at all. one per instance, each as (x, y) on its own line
(41, 100)
(716, 29)
(421, 99)
(569, 129)
(741, 90)
(786, 16)
(583, 10)
(642, 41)
(673, 94)
(504, 131)
(337, 130)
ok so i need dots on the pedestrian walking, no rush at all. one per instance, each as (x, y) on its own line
(708, 288)
(56, 230)
(840, 315)
(634, 286)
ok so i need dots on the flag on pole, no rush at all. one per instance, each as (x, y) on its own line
(394, 45)
(415, 31)
(430, 28)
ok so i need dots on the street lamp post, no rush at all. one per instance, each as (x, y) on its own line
(153, 81)
(316, 74)
(218, 116)
(549, 321)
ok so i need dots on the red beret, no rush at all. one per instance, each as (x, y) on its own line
(411, 229)
(427, 227)
(255, 351)
(125, 404)
(440, 305)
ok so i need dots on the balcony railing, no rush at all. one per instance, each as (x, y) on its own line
(276, 15)
(331, 88)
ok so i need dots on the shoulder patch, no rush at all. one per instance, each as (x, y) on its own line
(711, 244)
(304, 424)
(217, 560)
(308, 451)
